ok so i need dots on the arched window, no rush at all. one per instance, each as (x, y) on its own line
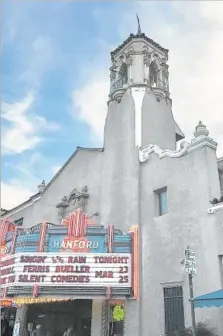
(123, 73)
(153, 74)
(122, 78)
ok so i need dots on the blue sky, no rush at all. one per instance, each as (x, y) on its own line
(55, 54)
(47, 48)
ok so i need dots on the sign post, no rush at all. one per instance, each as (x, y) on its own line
(191, 269)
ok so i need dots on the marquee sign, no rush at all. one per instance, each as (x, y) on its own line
(49, 269)
(75, 258)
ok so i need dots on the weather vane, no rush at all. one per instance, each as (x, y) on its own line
(139, 27)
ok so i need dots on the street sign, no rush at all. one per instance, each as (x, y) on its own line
(190, 262)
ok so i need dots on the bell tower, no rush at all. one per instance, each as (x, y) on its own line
(139, 65)
(139, 114)
(139, 61)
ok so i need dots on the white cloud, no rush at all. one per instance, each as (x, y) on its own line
(28, 175)
(23, 129)
(193, 32)
(91, 103)
(12, 195)
(39, 60)
(194, 39)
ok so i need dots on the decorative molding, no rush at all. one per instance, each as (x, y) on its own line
(145, 49)
(129, 60)
(200, 142)
(201, 138)
(118, 94)
(159, 93)
(147, 59)
(215, 208)
(156, 60)
(130, 50)
(144, 152)
(22, 206)
(145, 39)
(201, 129)
(75, 200)
(112, 75)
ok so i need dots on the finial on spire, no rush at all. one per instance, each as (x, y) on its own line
(139, 27)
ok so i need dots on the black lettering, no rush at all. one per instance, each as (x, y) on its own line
(123, 269)
(123, 279)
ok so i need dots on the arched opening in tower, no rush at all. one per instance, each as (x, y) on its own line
(153, 74)
(123, 73)
(122, 78)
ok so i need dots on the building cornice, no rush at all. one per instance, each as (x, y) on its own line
(38, 196)
(200, 140)
(137, 36)
(31, 201)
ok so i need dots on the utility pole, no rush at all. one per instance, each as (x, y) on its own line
(191, 269)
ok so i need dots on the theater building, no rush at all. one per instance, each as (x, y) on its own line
(112, 226)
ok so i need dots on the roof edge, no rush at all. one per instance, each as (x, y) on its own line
(35, 196)
(68, 161)
(30, 200)
(131, 37)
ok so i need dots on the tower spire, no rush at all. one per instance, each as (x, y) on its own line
(139, 27)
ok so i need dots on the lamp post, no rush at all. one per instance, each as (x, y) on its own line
(191, 269)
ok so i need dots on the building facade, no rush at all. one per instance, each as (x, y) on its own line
(145, 175)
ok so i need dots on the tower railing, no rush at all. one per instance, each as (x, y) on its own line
(118, 84)
(156, 82)
(153, 82)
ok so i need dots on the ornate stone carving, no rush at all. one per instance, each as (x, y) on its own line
(129, 60)
(76, 199)
(61, 206)
(155, 57)
(120, 61)
(144, 152)
(78, 196)
(145, 49)
(117, 95)
(164, 60)
(159, 93)
(113, 71)
(112, 75)
(118, 98)
(130, 52)
(147, 59)
(165, 75)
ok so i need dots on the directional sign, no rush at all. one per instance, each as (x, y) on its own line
(190, 262)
